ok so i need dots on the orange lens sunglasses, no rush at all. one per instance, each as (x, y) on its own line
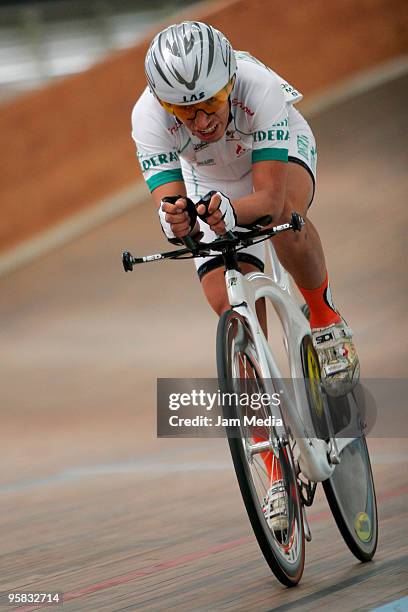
(187, 112)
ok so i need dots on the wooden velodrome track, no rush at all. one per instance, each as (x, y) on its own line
(92, 504)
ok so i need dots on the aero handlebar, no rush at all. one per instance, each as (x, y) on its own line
(232, 241)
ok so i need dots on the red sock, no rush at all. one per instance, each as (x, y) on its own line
(322, 310)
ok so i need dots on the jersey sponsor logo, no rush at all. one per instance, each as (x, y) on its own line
(239, 104)
(157, 160)
(174, 128)
(272, 135)
(231, 135)
(240, 150)
(200, 146)
(290, 90)
(302, 142)
(313, 158)
(206, 162)
(283, 123)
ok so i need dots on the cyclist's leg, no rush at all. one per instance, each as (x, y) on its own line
(302, 255)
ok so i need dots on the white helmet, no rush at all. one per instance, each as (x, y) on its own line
(189, 62)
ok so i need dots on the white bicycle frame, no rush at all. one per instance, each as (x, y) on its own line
(243, 292)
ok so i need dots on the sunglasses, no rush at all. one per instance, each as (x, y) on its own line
(187, 112)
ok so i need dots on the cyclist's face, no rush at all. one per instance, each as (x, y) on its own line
(209, 128)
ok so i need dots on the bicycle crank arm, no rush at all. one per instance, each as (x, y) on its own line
(306, 527)
(334, 456)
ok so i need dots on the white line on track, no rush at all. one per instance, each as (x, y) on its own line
(355, 85)
(113, 206)
(149, 469)
(399, 605)
(145, 469)
(80, 223)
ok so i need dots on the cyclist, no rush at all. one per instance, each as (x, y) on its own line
(217, 121)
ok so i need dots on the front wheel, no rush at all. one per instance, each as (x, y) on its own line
(283, 546)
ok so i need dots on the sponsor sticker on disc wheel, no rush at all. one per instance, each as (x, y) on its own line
(362, 525)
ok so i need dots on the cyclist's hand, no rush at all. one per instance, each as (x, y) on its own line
(177, 216)
(219, 213)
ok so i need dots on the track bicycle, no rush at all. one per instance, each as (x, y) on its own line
(310, 437)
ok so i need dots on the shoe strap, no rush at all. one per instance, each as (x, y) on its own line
(277, 487)
(334, 368)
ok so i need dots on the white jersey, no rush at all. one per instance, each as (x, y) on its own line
(259, 130)
(264, 126)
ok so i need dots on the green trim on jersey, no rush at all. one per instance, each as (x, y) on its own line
(270, 154)
(167, 176)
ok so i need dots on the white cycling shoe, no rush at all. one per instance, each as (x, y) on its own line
(275, 507)
(339, 364)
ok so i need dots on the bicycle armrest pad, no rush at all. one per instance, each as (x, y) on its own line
(262, 222)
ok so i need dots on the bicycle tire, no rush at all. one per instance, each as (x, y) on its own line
(285, 555)
(350, 491)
